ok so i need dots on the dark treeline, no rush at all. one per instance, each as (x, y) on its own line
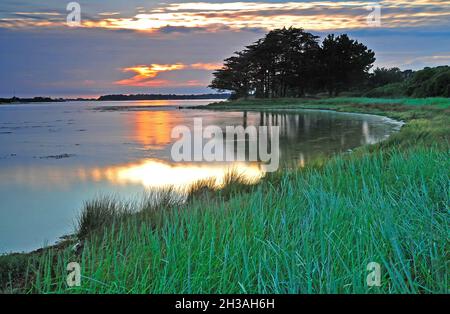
(118, 97)
(293, 63)
(28, 100)
(162, 97)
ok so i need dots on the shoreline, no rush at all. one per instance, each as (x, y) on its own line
(399, 123)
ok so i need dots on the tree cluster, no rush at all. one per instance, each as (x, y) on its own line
(290, 62)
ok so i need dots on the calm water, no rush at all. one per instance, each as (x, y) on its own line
(53, 157)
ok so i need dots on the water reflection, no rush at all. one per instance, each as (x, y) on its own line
(152, 129)
(155, 174)
(308, 134)
(148, 173)
(303, 136)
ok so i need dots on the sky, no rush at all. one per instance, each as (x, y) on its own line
(174, 46)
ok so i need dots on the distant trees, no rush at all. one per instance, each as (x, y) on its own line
(121, 97)
(29, 100)
(291, 62)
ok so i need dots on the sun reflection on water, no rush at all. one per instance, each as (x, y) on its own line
(148, 173)
(152, 129)
(155, 173)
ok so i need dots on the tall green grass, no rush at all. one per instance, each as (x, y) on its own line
(311, 231)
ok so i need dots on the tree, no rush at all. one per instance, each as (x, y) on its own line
(290, 62)
(345, 63)
(234, 76)
(299, 59)
(282, 62)
(384, 76)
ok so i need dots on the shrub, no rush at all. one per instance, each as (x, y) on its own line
(389, 90)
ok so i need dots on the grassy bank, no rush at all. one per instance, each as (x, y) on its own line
(309, 230)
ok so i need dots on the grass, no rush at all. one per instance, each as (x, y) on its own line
(310, 230)
(352, 104)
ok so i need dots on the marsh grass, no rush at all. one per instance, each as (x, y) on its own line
(100, 212)
(233, 182)
(13, 269)
(105, 211)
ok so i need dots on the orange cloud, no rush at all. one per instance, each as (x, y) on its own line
(153, 69)
(145, 74)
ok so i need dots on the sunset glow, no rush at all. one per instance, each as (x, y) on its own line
(145, 74)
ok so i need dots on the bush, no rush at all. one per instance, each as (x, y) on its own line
(439, 85)
(430, 82)
(389, 90)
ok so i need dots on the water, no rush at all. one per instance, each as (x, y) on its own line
(55, 156)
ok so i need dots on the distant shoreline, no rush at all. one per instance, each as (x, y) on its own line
(118, 97)
(162, 97)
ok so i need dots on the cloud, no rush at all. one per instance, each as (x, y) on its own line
(152, 70)
(38, 13)
(108, 13)
(206, 66)
(208, 16)
(146, 75)
(433, 59)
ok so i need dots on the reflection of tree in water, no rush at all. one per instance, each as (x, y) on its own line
(304, 136)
